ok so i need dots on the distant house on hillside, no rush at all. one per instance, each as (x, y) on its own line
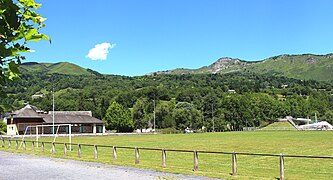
(231, 91)
(81, 121)
(284, 86)
(35, 96)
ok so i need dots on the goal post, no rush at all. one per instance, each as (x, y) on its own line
(42, 132)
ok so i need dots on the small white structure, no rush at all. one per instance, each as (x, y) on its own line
(188, 130)
(35, 96)
(12, 130)
(322, 125)
(231, 91)
(309, 124)
(148, 130)
(284, 85)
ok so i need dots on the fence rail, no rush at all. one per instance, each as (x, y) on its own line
(162, 150)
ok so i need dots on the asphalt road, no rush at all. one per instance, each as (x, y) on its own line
(24, 166)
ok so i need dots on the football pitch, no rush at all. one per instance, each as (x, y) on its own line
(318, 143)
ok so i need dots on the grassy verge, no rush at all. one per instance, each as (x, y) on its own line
(214, 165)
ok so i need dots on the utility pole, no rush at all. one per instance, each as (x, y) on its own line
(154, 115)
(154, 107)
(213, 117)
(53, 112)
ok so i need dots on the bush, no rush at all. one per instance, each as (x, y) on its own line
(170, 131)
(3, 127)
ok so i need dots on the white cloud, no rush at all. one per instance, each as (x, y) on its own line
(100, 51)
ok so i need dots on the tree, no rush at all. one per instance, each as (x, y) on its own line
(210, 108)
(164, 115)
(118, 118)
(19, 24)
(140, 113)
(329, 116)
(186, 115)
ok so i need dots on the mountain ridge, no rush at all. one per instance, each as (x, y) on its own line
(64, 68)
(299, 66)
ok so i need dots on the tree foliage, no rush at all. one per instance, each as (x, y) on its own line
(118, 118)
(140, 114)
(19, 24)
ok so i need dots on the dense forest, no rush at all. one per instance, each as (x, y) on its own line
(201, 102)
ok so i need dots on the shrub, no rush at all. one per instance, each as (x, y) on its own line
(3, 127)
(170, 131)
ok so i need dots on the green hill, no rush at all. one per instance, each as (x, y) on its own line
(279, 126)
(305, 66)
(56, 68)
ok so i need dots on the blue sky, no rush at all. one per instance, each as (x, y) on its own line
(137, 37)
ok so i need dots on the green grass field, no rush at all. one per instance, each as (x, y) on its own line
(216, 165)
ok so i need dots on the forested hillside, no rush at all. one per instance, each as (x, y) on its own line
(220, 101)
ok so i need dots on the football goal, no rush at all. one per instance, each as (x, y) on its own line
(46, 131)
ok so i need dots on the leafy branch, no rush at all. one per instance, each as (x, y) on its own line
(19, 24)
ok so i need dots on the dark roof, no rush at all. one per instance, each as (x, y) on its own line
(27, 112)
(70, 117)
(60, 117)
(85, 113)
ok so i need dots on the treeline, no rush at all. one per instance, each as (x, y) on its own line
(215, 102)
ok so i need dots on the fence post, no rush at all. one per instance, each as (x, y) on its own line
(79, 150)
(16, 144)
(114, 153)
(42, 146)
(9, 143)
(24, 145)
(234, 165)
(196, 168)
(53, 148)
(95, 152)
(281, 167)
(32, 146)
(137, 161)
(2, 143)
(65, 149)
(163, 158)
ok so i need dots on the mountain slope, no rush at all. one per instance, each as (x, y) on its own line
(222, 65)
(56, 68)
(305, 66)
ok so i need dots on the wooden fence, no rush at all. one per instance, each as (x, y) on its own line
(163, 151)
